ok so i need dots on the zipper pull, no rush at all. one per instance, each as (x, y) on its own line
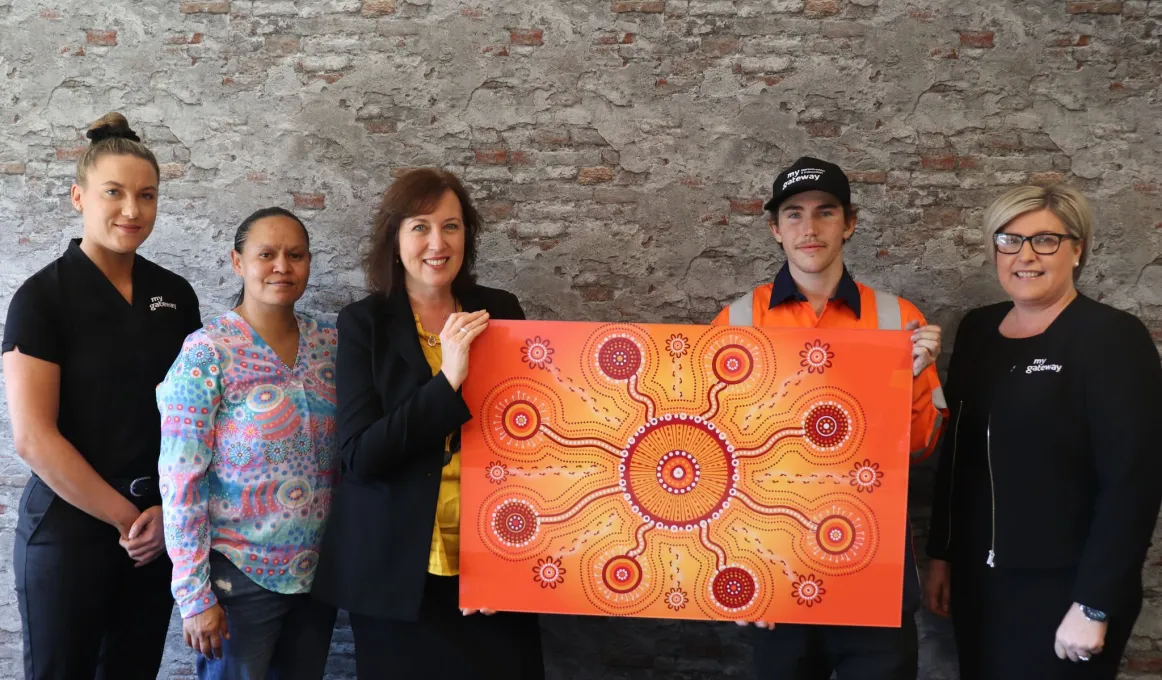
(991, 561)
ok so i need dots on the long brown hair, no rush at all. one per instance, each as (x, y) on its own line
(111, 135)
(416, 192)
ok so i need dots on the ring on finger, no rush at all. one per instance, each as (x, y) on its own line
(463, 329)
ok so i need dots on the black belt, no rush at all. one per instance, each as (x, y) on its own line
(137, 488)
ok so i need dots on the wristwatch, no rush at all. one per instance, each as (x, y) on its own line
(1093, 614)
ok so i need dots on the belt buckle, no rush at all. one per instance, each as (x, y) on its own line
(133, 486)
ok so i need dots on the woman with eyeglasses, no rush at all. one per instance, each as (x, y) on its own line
(1049, 480)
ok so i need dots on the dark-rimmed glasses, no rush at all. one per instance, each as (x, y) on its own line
(1045, 243)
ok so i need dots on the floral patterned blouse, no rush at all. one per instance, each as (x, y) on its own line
(248, 457)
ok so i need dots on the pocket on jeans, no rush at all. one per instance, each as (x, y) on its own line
(34, 505)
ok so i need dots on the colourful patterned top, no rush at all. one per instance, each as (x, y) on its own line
(248, 457)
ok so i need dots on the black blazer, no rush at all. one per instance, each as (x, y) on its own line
(1071, 438)
(393, 418)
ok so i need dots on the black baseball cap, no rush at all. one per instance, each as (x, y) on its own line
(810, 174)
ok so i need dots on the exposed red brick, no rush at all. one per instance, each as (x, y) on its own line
(1046, 178)
(1117, 86)
(771, 81)
(1063, 42)
(1082, 41)
(967, 163)
(380, 126)
(595, 175)
(981, 39)
(378, 8)
(821, 8)
(628, 38)
(661, 82)
(50, 14)
(183, 39)
(595, 292)
(259, 177)
(310, 201)
(528, 37)
(70, 154)
(471, 12)
(96, 36)
(643, 6)
(944, 217)
(227, 80)
(494, 211)
(719, 47)
(868, 177)
(491, 156)
(1094, 8)
(329, 77)
(1151, 663)
(11, 168)
(692, 182)
(172, 170)
(281, 44)
(715, 219)
(947, 161)
(519, 158)
(221, 7)
(606, 40)
(1146, 188)
(945, 53)
(746, 206)
(823, 128)
(502, 52)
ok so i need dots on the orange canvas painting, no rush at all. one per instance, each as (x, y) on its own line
(695, 472)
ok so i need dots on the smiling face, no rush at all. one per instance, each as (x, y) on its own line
(118, 202)
(275, 262)
(1032, 278)
(431, 246)
(812, 228)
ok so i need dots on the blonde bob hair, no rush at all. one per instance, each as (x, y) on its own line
(1065, 202)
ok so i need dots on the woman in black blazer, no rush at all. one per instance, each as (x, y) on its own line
(1049, 481)
(391, 551)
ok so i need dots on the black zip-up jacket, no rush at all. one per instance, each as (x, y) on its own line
(1073, 445)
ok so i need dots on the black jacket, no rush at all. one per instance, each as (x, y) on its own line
(393, 418)
(1073, 444)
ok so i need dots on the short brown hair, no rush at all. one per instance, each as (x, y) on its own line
(111, 135)
(416, 192)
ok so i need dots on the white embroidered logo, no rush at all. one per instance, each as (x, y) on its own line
(800, 175)
(155, 302)
(1040, 365)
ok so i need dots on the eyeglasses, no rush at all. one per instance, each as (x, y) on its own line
(1045, 243)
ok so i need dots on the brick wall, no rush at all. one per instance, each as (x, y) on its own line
(620, 152)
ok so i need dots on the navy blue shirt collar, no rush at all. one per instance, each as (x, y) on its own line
(785, 289)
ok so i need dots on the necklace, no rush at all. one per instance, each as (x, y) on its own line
(433, 340)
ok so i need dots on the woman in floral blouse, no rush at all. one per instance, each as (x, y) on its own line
(247, 465)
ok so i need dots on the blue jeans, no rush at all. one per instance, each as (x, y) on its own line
(272, 636)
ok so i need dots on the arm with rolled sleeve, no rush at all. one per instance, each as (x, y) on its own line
(929, 410)
(189, 398)
(1123, 400)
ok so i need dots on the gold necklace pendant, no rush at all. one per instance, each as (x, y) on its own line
(433, 340)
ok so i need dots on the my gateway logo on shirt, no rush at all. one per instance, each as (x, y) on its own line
(158, 301)
(1040, 365)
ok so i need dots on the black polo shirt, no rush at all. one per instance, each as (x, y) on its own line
(112, 354)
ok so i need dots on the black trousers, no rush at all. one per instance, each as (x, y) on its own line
(1006, 622)
(800, 652)
(446, 645)
(87, 612)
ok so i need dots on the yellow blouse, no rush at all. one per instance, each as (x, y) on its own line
(444, 557)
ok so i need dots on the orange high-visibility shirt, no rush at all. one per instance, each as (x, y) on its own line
(780, 304)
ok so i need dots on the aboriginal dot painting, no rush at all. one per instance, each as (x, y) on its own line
(701, 472)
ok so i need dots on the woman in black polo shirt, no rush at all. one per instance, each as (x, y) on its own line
(87, 340)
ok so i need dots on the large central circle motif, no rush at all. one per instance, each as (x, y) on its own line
(678, 471)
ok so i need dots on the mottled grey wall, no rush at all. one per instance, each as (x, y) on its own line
(620, 151)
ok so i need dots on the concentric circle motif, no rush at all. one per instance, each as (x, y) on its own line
(827, 426)
(622, 574)
(304, 563)
(619, 358)
(264, 398)
(294, 493)
(835, 534)
(678, 472)
(734, 587)
(515, 523)
(521, 420)
(733, 364)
